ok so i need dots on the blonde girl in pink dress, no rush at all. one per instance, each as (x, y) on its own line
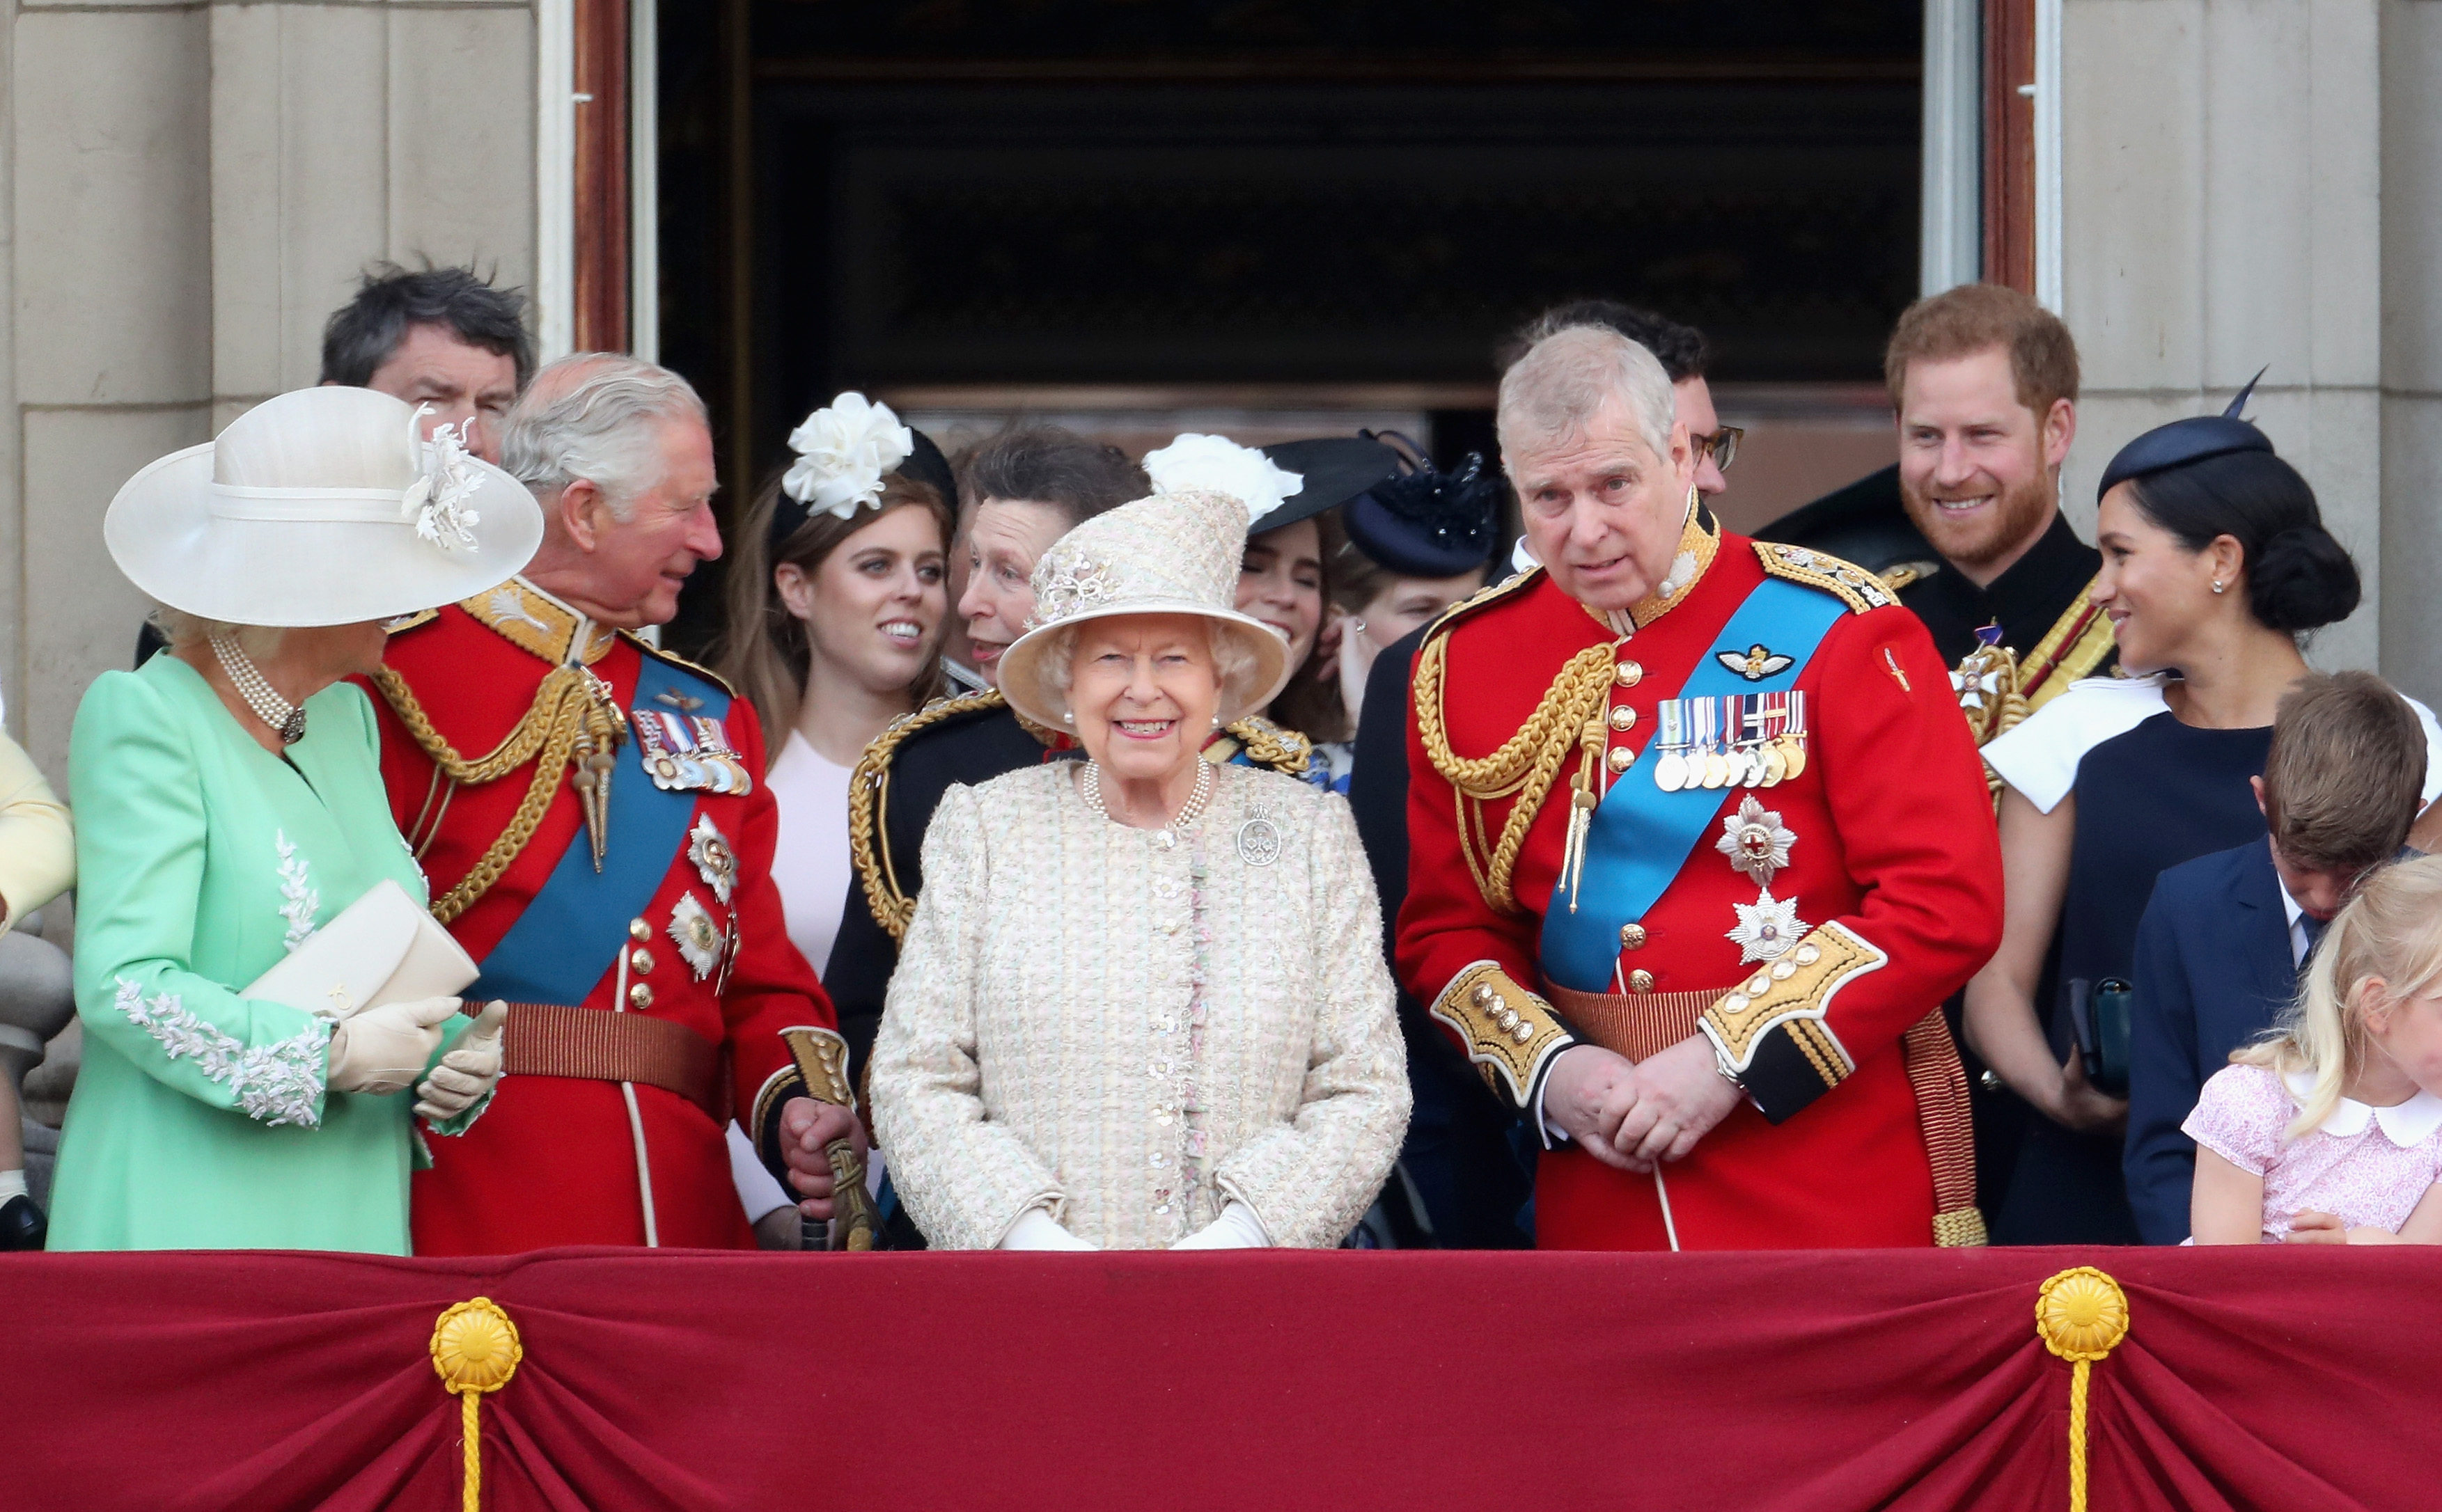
(2329, 1129)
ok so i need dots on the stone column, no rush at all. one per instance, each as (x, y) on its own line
(2224, 209)
(191, 190)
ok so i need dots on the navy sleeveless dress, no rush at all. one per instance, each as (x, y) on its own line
(2156, 796)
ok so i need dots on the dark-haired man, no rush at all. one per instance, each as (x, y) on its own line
(442, 336)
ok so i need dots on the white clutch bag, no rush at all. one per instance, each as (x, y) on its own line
(381, 949)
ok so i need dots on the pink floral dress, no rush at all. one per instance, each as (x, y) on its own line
(2368, 1165)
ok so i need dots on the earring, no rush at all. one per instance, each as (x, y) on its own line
(1216, 721)
(1068, 716)
(2219, 585)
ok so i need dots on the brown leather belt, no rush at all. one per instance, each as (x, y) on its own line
(1637, 1025)
(595, 1045)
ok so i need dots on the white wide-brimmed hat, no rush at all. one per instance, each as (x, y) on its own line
(324, 506)
(1178, 552)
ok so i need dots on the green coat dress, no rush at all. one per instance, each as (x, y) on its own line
(200, 1118)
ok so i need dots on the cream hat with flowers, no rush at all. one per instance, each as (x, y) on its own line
(1176, 552)
(323, 506)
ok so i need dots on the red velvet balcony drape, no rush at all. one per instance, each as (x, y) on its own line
(2287, 1379)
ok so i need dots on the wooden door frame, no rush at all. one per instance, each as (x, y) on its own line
(2010, 143)
(602, 219)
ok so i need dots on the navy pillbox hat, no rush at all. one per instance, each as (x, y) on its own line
(2183, 442)
(1426, 524)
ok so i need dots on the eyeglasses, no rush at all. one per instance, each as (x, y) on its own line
(1723, 444)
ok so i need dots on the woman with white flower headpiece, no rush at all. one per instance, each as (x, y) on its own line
(229, 805)
(837, 600)
(1142, 1002)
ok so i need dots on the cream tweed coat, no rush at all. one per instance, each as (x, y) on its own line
(1134, 1035)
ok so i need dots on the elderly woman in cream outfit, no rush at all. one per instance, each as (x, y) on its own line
(1142, 1003)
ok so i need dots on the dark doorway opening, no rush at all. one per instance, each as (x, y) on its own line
(1269, 208)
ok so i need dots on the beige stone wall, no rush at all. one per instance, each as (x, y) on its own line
(2254, 182)
(190, 190)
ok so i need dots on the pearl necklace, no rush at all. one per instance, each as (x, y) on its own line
(1090, 787)
(286, 720)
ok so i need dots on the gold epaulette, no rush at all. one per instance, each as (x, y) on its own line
(1489, 593)
(868, 793)
(658, 654)
(1265, 744)
(1901, 576)
(1845, 581)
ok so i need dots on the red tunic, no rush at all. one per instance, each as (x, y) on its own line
(553, 1160)
(1895, 845)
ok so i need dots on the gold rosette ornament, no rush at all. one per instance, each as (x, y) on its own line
(2081, 1314)
(475, 1350)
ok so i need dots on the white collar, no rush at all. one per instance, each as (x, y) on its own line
(2406, 1125)
(2288, 904)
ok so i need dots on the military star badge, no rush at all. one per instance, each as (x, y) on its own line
(714, 861)
(1756, 841)
(698, 940)
(1767, 927)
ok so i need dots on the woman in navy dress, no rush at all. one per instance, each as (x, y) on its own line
(2216, 561)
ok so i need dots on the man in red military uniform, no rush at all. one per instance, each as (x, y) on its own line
(1699, 846)
(593, 815)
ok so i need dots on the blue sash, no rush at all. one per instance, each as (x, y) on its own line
(1641, 837)
(578, 924)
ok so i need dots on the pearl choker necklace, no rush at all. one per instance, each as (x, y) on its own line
(285, 718)
(1090, 787)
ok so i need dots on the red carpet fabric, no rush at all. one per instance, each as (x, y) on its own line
(2291, 1379)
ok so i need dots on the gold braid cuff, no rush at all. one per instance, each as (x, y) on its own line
(1510, 1033)
(1791, 996)
(565, 710)
(1526, 765)
(869, 794)
(820, 1072)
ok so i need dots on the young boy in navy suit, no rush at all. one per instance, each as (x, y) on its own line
(2219, 948)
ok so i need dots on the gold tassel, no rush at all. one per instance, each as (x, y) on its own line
(475, 1350)
(2081, 1314)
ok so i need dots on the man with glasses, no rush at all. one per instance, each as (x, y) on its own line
(1459, 1153)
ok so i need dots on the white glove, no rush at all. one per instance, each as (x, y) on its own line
(469, 1071)
(384, 1050)
(1037, 1230)
(1236, 1229)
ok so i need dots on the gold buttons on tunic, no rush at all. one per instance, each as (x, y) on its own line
(640, 995)
(1623, 718)
(1627, 674)
(1631, 937)
(641, 958)
(639, 931)
(1619, 759)
(1640, 981)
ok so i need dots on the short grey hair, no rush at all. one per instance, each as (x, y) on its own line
(182, 630)
(1233, 665)
(1566, 378)
(587, 416)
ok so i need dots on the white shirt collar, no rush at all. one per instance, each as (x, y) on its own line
(2288, 904)
(2406, 1125)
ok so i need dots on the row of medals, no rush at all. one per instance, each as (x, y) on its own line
(1765, 763)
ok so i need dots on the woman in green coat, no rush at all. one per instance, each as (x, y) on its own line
(229, 802)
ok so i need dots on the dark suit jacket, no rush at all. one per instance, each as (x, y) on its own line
(2213, 972)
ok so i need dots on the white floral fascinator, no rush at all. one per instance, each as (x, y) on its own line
(843, 452)
(1216, 464)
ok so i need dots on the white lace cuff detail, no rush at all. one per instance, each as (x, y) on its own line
(275, 1083)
